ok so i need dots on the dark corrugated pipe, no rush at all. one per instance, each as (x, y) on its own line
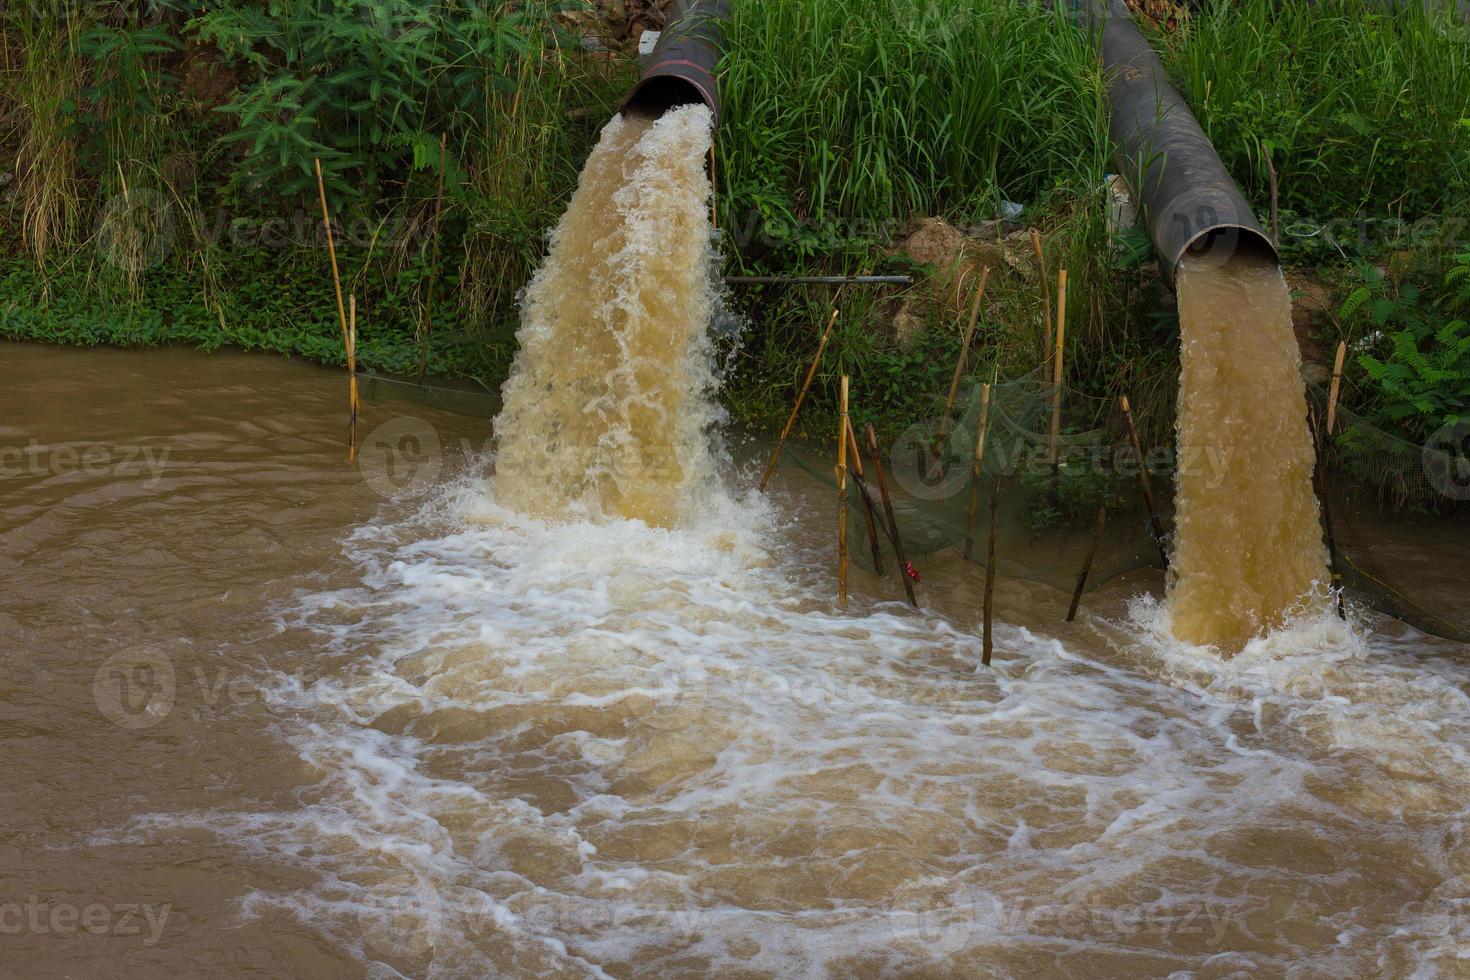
(1188, 198)
(681, 68)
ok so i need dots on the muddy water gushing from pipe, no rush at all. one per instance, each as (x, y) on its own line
(445, 737)
(607, 408)
(1248, 549)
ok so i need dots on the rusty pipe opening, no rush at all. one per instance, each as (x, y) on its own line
(681, 68)
(1190, 203)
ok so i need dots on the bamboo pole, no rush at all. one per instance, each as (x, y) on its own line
(1336, 387)
(990, 570)
(862, 485)
(321, 188)
(800, 397)
(1045, 296)
(1155, 526)
(1057, 366)
(714, 191)
(1275, 199)
(352, 379)
(819, 280)
(903, 564)
(1320, 483)
(427, 323)
(1102, 523)
(959, 365)
(842, 497)
(981, 428)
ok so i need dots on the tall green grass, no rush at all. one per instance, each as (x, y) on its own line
(38, 88)
(845, 119)
(878, 109)
(1365, 107)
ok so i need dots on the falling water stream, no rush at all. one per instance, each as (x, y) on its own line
(608, 404)
(1248, 549)
(452, 713)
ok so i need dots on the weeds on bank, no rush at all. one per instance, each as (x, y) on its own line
(1364, 107)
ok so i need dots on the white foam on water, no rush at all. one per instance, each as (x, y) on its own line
(595, 747)
(634, 736)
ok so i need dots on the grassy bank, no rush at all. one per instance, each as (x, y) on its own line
(1363, 111)
(161, 182)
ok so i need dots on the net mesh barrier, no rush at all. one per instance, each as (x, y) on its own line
(1400, 510)
(940, 501)
(1400, 515)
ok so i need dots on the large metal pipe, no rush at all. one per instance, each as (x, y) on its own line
(681, 68)
(1190, 203)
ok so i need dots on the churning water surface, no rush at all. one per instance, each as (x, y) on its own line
(422, 718)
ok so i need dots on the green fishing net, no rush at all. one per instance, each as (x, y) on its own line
(1047, 516)
(1398, 509)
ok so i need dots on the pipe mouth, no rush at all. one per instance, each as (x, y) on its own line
(1215, 246)
(658, 93)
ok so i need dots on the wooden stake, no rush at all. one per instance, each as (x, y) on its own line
(959, 366)
(1102, 522)
(1045, 297)
(990, 569)
(331, 248)
(981, 428)
(1336, 387)
(862, 485)
(714, 186)
(1275, 209)
(352, 379)
(1057, 366)
(1321, 486)
(842, 498)
(1155, 526)
(800, 397)
(427, 323)
(903, 564)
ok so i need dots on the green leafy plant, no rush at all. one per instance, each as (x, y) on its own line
(1416, 356)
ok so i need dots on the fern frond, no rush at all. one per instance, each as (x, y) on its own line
(1354, 302)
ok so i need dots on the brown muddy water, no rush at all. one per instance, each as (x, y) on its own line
(587, 708)
(267, 713)
(1248, 550)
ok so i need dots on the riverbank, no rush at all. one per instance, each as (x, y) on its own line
(164, 187)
